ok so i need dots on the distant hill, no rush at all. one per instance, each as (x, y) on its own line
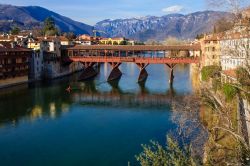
(143, 28)
(159, 28)
(33, 16)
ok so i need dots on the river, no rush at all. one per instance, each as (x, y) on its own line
(96, 124)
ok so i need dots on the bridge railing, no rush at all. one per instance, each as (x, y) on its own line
(100, 59)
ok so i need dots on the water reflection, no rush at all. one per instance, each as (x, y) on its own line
(96, 118)
(36, 112)
(143, 88)
(49, 99)
(53, 101)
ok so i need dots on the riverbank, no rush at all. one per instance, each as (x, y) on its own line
(7, 83)
(13, 82)
(224, 116)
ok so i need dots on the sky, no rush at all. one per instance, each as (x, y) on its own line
(92, 11)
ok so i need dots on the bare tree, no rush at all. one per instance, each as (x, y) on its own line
(173, 41)
(190, 130)
(223, 24)
(233, 6)
(225, 125)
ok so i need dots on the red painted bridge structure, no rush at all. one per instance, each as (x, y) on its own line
(116, 55)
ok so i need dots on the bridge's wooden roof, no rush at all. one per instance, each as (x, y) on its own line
(194, 47)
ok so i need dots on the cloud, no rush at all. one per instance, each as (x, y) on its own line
(173, 9)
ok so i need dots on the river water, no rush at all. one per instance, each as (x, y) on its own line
(96, 124)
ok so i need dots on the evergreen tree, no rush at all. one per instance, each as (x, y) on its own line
(15, 30)
(49, 27)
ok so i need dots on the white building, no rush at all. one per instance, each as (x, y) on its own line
(235, 46)
(83, 42)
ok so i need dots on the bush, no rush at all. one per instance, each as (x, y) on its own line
(229, 91)
(209, 72)
(171, 154)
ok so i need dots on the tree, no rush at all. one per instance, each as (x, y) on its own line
(173, 41)
(152, 42)
(49, 27)
(208, 72)
(171, 154)
(185, 146)
(234, 6)
(15, 30)
(124, 42)
(243, 77)
(199, 36)
(115, 43)
(37, 31)
(223, 24)
(227, 145)
(109, 42)
(229, 91)
(69, 35)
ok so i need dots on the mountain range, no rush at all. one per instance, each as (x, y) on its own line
(159, 28)
(33, 16)
(143, 28)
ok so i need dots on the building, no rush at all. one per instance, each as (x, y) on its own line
(7, 38)
(114, 41)
(210, 47)
(33, 44)
(83, 42)
(131, 42)
(84, 37)
(36, 65)
(229, 76)
(65, 41)
(14, 64)
(46, 53)
(46, 61)
(235, 46)
(18, 39)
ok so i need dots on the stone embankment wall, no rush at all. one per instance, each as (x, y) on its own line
(244, 112)
(55, 70)
(13, 81)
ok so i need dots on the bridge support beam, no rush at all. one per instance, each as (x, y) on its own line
(171, 73)
(89, 71)
(143, 72)
(115, 73)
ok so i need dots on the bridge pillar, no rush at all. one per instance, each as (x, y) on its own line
(171, 74)
(115, 73)
(143, 72)
(89, 71)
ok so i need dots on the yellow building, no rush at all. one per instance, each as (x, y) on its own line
(113, 41)
(34, 44)
(210, 47)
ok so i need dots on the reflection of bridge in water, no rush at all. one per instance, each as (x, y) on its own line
(90, 56)
(89, 95)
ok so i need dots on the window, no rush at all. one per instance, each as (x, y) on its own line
(24, 59)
